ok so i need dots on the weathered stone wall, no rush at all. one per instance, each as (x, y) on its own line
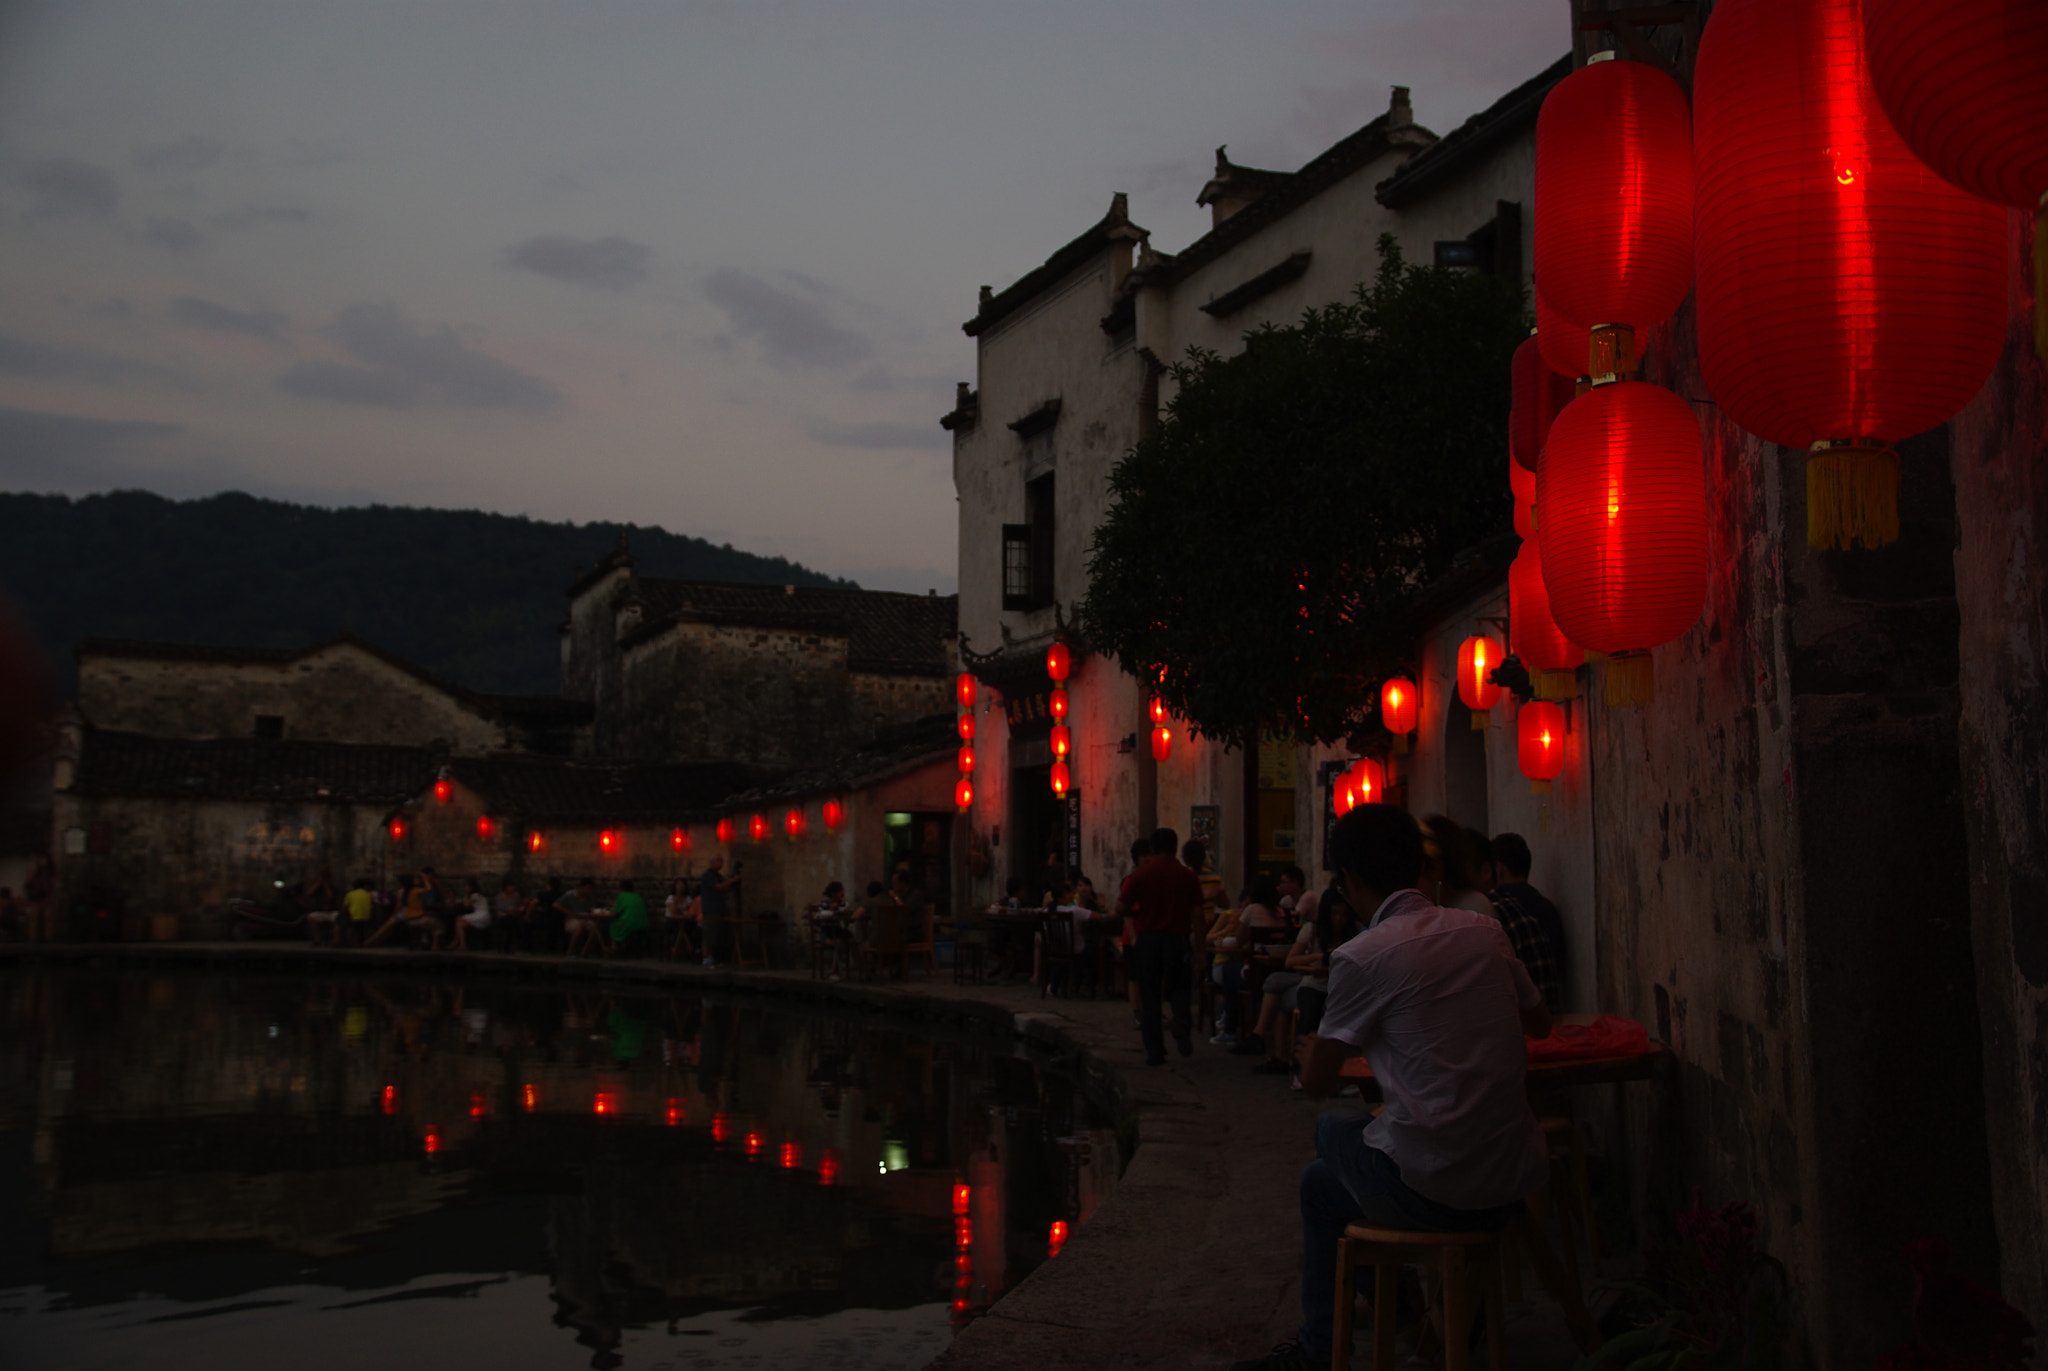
(339, 693)
(2000, 471)
(881, 701)
(704, 692)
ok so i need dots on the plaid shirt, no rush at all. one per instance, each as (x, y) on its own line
(1541, 957)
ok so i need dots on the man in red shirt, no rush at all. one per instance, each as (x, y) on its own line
(1161, 899)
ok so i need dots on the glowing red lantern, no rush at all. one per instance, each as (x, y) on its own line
(966, 760)
(1622, 503)
(721, 1129)
(608, 842)
(1056, 1238)
(1364, 783)
(752, 1145)
(792, 1156)
(828, 1167)
(1162, 743)
(486, 829)
(1538, 394)
(834, 814)
(963, 794)
(398, 830)
(431, 1143)
(1963, 84)
(672, 1115)
(1158, 710)
(1397, 709)
(793, 824)
(1848, 296)
(1522, 485)
(678, 840)
(604, 1104)
(478, 1105)
(1062, 741)
(757, 828)
(536, 841)
(1056, 705)
(1546, 654)
(1476, 657)
(966, 727)
(725, 830)
(444, 790)
(1058, 661)
(1343, 795)
(529, 1097)
(963, 689)
(1614, 195)
(1539, 743)
(387, 1100)
(963, 1197)
(1062, 779)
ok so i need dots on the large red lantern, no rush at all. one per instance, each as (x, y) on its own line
(1848, 296)
(1397, 710)
(1538, 394)
(963, 689)
(757, 828)
(1056, 705)
(1476, 657)
(1614, 195)
(1546, 654)
(967, 760)
(1062, 740)
(1058, 661)
(1965, 83)
(1522, 485)
(1622, 501)
(1062, 779)
(1367, 781)
(834, 814)
(1562, 342)
(725, 830)
(1162, 743)
(1539, 743)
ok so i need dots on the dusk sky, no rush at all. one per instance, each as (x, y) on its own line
(701, 266)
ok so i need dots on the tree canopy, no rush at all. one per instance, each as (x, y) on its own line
(1268, 538)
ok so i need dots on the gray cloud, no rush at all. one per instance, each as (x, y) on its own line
(600, 263)
(403, 365)
(193, 312)
(176, 235)
(251, 216)
(36, 361)
(790, 329)
(879, 436)
(64, 187)
(182, 156)
(38, 448)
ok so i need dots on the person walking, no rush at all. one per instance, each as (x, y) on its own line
(712, 893)
(1163, 899)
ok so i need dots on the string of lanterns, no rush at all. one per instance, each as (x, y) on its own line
(1059, 664)
(964, 693)
(1162, 730)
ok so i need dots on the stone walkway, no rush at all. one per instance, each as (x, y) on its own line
(1190, 1263)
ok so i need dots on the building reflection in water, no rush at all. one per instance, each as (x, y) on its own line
(204, 1138)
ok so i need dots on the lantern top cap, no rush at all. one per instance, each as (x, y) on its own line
(1608, 56)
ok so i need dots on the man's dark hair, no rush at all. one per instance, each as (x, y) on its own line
(1482, 847)
(625, 887)
(874, 888)
(1141, 849)
(1164, 842)
(1193, 853)
(1380, 845)
(1296, 874)
(1511, 850)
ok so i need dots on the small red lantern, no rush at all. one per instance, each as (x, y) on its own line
(1546, 654)
(479, 1106)
(1058, 661)
(1062, 740)
(536, 841)
(1522, 486)
(967, 759)
(1476, 657)
(721, 1129)
(966, 728)
(431, 1143)
(963, 1197)
(444, 790)
(1158, 710)
(387, 1100)
(672, 1114)
(486, 829)
(529, 1097)
(725, 830)
(608, 842)
(1622, 503)
(679, 840)
(1963, 84)
(1539, 743)
(1062, 779)
(604, 1104)
(752, 1146)
(1848, 296)
(1056, 1238)
(1343, 794)
(834, 814)
(963, 794)
(1368, 782)
(828, 1167)
(1162, 743)
(398, 829)
(1056, 705)
(792, 1156)
(963, 689)
(1538, 394)
(1614, 195)
(1397, 710)
(793, 824)
(757, 828)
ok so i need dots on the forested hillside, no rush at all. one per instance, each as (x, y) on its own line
(473, 596)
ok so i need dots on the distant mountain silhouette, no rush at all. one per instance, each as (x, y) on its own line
(473, 596)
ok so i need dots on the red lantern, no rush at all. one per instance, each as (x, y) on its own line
(967, 760)
(1056, 705)
(793, 824)
(608, 842)
(828, 1167)
(966, 727)
(1056, 1238)
(1058, 661)
(1162, 743)
(486, 829)
(1614, 194)
(1476, 657)
(1343, 794)
(963, 1197)
(1368, 781)
(1533, 636)
(1622, 503)
(1539, 743)
(398, 829)
(678, 840)
(1848, 296)
(963, 794)
(536, 841)
(963, 689)
(444, 791)
(1963, 83)
(1062, 779)
(1522, 484)
(1062, 740)
(757, 828)
(1538, 393)
(834, 814)
(1158, 711)
(1397, 706)
(725, 830)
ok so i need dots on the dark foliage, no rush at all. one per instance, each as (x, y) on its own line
(473, 596)
(1268, 538)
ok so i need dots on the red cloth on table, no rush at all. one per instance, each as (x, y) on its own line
(1607, 1036)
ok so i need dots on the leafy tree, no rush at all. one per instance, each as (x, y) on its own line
(1269, 537)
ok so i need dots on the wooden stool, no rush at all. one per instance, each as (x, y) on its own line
(1459, 1257)
(1571, 1191)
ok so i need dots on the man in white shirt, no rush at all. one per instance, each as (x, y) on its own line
(1438, 1004)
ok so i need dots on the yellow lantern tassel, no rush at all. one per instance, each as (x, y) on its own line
(1480, 720)
(1555, 685)
(1539, 787)
(1631, 679)
(1852, 495)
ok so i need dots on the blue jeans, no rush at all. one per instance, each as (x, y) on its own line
(1229, 978)
(1347, 1183)
(1163, 967)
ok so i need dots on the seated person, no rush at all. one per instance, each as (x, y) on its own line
(679, 915)
(359, 905)
(509, 912)
(632, 935)
(1225, 942)
(1305, 983)
(579, 918)
(1439, 1005)
(475, 917)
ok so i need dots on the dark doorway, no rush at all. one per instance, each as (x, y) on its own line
(922, 845)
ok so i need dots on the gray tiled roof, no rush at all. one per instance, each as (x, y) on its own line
(1502, 119)
(886, 632)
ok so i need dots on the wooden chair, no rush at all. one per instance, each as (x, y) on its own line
(886, 940)
(1056, 938)
(1460, 1259)
(921, 943)
(970, 953)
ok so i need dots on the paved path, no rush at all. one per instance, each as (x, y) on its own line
(1193, 1259)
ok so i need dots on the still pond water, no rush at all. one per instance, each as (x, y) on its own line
(213, 1170)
